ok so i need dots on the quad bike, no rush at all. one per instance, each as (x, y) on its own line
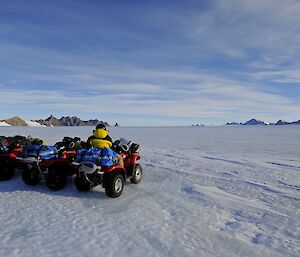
(51, 164)
(8, 155)
(112, 178)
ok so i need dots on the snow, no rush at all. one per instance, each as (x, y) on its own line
(206, 191)
(34, 124)
(4, 124)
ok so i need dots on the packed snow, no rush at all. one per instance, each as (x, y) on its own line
(206, 191)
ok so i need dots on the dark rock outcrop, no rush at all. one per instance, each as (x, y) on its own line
(198, 125)
(233, 123)
(296, 122)
(254, 122)
(281, 122)
(69, 122)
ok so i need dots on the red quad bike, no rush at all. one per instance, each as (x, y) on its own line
(8, 155)
(111, 178)
(51, 164)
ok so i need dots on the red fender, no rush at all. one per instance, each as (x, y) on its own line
(131, 160)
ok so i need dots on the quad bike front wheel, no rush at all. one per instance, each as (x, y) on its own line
(114, 184)
(30, 175)
(137, 174)
(56, 178)
(82, 184)
(7, 171)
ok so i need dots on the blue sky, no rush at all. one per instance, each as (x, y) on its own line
(151, 62)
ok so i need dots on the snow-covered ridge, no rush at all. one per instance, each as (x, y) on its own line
(34, 124)
(4, 124)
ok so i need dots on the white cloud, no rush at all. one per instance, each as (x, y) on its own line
(283, 76)
(207, 97)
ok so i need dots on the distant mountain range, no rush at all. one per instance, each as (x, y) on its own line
(75, 121)
(254, 122)
(51, 122)
(198, 125)
(281, 122)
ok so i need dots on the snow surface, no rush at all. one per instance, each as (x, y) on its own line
(34, 124)
(4, 124)
(206, 191)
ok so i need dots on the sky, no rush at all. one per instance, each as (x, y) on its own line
(151, 62)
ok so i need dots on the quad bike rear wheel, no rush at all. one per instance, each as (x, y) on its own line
(137, 174)
(82, 184)
(7, 170)
(114, 184)
(30, 175)
(56, 178)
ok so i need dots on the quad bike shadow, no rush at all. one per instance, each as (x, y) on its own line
(15, 185)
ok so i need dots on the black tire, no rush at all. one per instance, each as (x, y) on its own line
(7, 171)
(31, 176)
(82, 184)
(57, 178)
(114, 184)
(137, 174)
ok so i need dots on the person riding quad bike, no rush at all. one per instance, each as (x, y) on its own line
(100, 138)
